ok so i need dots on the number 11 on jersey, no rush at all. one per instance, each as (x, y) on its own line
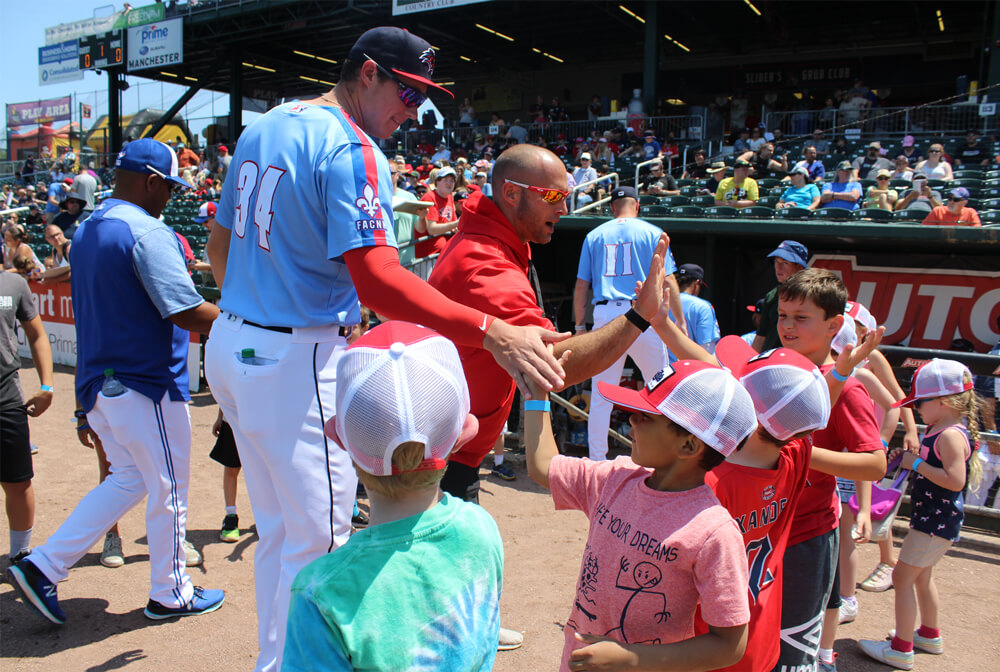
(611, 259)
(263, 212)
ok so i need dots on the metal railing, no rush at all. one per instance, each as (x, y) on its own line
(639, 166)
(883, 121)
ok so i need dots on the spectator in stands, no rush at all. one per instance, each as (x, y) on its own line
(880, 195)
(821, 144)
(481, 180)
(68, 219)
(556, 112)
(920, 196)
(517, 133)
(740, 190)
(538, 109)
(828, 114)
(442, 154)
(910, 151)
(186, 157)
(763, 161)
(756, 139)
(935, 166)
(15, 244)
(777, 139)
(441, 217)
(85, 185)
(34, 216)
(56, 195)
(7, 197)
(222, 164)
(815, 167)
(973, 154)
(956, 212)
(790, 257)
(57, 264)
(670, 148)
(902, 171)
(459, 197)
(843, 192)
(699, 170)
(584, 173)
(659, 183)
(801, 194)
(651, 148)
(699, 315)
(466, 113)
(425, 167)
(603, 153)
(868, 165)
(634, 150)
(716, 172)
(595, 108)
(742, 143)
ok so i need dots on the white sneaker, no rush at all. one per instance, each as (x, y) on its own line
(848, 610)
(112, 555)
(879, 580)
(192, 558)
(510, 639)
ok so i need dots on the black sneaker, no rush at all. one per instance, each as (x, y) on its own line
(230, 532)
(504, 472)
(361, 519)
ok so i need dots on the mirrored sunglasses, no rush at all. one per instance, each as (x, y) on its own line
(411, 97)
(549, 195)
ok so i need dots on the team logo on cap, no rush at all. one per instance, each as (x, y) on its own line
(369, 204)
(659, 377)
(427, 58)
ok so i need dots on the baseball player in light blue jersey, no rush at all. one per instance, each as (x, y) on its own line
(305, 226)
(699, 315)
(614, 257)
(134, 303)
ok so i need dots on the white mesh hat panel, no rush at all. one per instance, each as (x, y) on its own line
(712, 405)
(788, 399)
(848, 335)
(389, 396)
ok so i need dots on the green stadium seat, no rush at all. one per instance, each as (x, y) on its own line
(769, 201)
(768, 182)
(964, 173)
(990, 204)
(835, 214)
(938, 184)
(899, 184)
(690, 191)
(794, 213)
(656, 210)
(990, 217)
(909, 215)
(866, 183)
(685, 183)
(872, 214)
(703, 201)
(722, 212)
(757, 212)
(675, 200)
(649, 200)
(686, 211)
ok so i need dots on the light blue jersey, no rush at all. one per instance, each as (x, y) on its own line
(296, 202)
(702, 325)
(616, 254)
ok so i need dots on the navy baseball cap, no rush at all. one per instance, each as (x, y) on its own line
(960, 193)
(692, 271)
(400, 52)
(150, 157)
(623, 192)
(792, 251)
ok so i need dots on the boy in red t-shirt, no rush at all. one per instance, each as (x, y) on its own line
(441, 217)
(810, 313)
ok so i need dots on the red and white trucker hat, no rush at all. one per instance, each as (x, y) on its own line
(789, 392)
(937, 378)
(399, 382)
(702, 398)
(861, 314)
(848, 335)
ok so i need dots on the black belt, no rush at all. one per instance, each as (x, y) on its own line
(607, 301)
(343, 331)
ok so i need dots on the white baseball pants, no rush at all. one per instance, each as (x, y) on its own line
(149, 447)
(302, 485)
(648, 352)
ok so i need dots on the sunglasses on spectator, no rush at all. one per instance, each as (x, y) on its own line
(883, 177)
(933, 151)
(174, 187)
(955, 199)
(549, 195)
(411, 97)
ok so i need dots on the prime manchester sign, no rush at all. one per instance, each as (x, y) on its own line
(156, 45)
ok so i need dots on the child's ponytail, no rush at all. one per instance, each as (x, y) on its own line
(967, 404)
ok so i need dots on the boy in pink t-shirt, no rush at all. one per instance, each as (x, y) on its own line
(660, 543)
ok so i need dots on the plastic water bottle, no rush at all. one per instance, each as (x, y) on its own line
(248, 356)
(112, 387)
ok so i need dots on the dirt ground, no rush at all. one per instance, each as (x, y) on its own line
(105, 628)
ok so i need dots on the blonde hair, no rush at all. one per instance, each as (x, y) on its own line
(967, 405)
(407, 456)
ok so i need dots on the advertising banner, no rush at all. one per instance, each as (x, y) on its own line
(59, 63)
(920, 306)
(38, 111)
(74, 30)
(156, 45)
(54, 303)
(414, 6)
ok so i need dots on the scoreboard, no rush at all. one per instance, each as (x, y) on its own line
(101, 51)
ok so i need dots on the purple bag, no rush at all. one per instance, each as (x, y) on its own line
(884, 500)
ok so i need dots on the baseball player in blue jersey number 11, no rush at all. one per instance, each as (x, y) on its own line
(615, 255)
(304, 227)
(134, 304)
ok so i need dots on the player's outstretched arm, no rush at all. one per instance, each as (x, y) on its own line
(389, 289)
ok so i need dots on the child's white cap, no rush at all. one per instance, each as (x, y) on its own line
(848, 335)
(399, 382)
(937, 378)
(861, 315)
(789, 393)
(703, 399)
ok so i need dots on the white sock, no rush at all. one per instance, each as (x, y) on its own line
(853, 600)
(20, 540)
(230, 510)
(497, 460)
(826, 655)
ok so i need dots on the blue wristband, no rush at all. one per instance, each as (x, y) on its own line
(916, 463)
(538, 405)
(837, 376)
(47, 388)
